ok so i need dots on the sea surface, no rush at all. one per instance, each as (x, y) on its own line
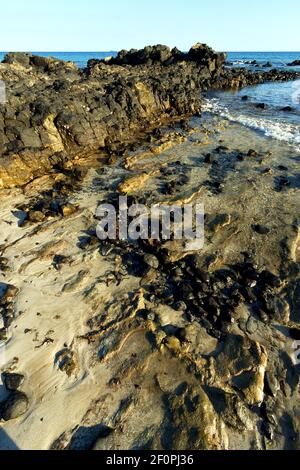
(278, 60)
(79, 58)
(272, 121)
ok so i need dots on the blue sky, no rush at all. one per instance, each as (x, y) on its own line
(104, 25)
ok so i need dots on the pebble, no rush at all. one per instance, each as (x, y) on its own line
(12, 381)
(261, 106)
(243, 325)
(14, 406)
(7, 293)
(36, 216)
(151, 261)
(208, 158)
(3, 334)
(260, 229)
(68, 210)
(180, 306)
(252, 326)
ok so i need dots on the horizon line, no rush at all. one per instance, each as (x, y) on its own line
(108, 51)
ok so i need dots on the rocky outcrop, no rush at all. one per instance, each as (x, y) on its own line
(239, 78)
(163, 55)
(295, 63)
(55, 111)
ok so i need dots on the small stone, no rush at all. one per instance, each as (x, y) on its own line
(68, 210)
(58, 260)
(159, 337)
(180, 306)
(12, 382)
(263, 316)
(252, 153)
(7, 293)
(242, 323)
(151, 261)
(15, 406)
(252, 326)
(3, 334)
(260, 229)
(150, 315)
(208, 158)
(36, 216)
(173, 343)
(66, 362)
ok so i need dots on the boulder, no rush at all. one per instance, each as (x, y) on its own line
(149, 55)
(20, 58)
(14, 406)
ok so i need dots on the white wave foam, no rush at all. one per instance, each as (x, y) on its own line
(277, 130)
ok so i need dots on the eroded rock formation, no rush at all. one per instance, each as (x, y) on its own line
(56, 112)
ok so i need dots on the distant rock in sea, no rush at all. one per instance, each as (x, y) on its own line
(294, 64)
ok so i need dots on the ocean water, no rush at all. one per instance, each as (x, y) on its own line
(278, 60)
(79, 58)
(271, 121)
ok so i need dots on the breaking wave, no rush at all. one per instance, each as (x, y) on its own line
(285, 132)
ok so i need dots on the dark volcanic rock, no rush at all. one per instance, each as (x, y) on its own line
(149, 56)
(261, 229)
(17, 58)
(294, 64)
(252, 153)
(13, 381)
(55, 111)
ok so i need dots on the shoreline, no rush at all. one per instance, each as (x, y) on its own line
(115, 100)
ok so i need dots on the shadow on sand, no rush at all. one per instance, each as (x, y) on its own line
(6, 443)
